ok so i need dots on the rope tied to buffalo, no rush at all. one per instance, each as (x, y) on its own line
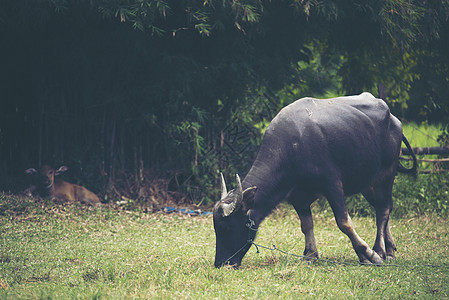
(250, 241)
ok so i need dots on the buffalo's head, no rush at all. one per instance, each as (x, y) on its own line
(231, 224)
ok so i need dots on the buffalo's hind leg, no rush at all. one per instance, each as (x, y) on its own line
(389, 242)
(380, 197)
(301, 203)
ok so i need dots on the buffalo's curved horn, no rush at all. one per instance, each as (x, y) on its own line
(229, 208)
(224, 191)
(239, 188)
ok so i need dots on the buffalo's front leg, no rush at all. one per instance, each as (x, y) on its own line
(307, 228)
(301, 202)
(336, 199)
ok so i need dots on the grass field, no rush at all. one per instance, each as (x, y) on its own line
(422, 135)
(76, 252)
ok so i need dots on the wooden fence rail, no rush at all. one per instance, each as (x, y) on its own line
(430, 151)
(427, 151)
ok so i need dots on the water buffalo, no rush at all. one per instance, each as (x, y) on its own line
(331, 147)
(62, 191)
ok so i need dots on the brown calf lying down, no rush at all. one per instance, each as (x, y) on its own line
(62, 191)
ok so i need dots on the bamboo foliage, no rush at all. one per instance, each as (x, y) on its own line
(114, 88)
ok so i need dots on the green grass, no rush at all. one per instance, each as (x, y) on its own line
(423, 135)
(74, 252)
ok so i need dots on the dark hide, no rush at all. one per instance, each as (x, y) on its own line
(335, 148)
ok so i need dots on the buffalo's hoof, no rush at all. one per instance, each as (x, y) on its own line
(375, 259)
(310, 256)
(310, 259)
(365, 262)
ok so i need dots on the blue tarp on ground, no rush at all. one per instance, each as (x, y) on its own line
(169, 209)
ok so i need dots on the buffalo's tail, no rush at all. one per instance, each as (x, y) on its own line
(413, 169)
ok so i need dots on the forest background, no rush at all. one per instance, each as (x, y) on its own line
(126, 92)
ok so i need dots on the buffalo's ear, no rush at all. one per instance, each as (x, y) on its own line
(248, 198)
(61, 170)
(31, 171)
